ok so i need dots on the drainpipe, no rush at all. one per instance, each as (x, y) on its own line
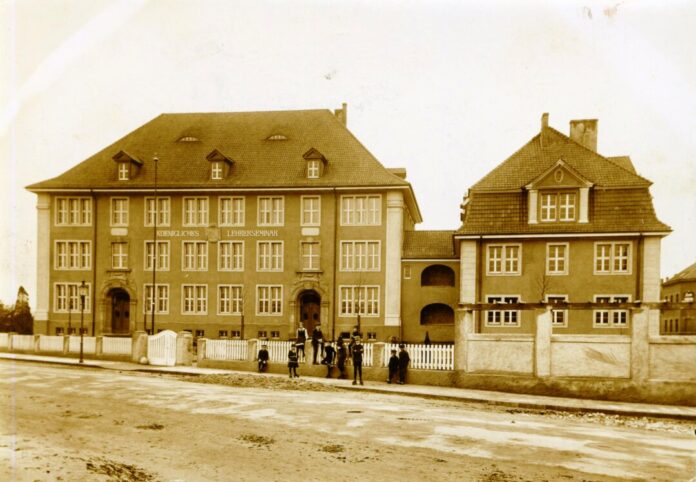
(335, 256)
(94, 261)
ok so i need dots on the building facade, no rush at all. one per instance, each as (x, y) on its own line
(680, 288)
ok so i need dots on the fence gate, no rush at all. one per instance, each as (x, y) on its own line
(161, 349)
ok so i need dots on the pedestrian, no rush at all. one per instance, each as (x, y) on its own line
(317, 342)
(341, 355)
(393, 366)
(356, 334)
(301, 339)
(427, 339)
(404, 360)
(292, 362)
(357, 355)
(263, 358)
(329, 354)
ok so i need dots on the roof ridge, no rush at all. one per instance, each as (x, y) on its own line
(490, 173)
(245, 112)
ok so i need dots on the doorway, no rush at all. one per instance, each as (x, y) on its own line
(310, 309)
(120, 311)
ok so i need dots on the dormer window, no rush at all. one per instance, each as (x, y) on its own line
(316, 163)
(216, 170)
(277, 137)
(559, 194)
(189, 139)
(123, 171)
(313, 169)
(220, 165)
(127, 166)
(557, 206)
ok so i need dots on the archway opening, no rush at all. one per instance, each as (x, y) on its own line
(437, 275)
(310, 310)
(437, 314)
(120, 311)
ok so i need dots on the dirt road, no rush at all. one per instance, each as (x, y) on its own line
(79, 424)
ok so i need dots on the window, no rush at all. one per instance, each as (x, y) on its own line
(73, 255)
(73, 211)
(275, 334)
(231, 211)
(270, 256)
(557, 258)
(311, 210)
(557, 207)
(559, 318)
(194, 299)
(372, 335)
(195, 255)
(231, 255)
(502, 317)
(363, 300)
(313, 169)
(195, 211)
(269, 300)
(611, 318)
(216, 170)
(361, 210)
(262, 334)
(162, 255)
(229, 300)
(163, 211)
(235, 334)
(123, 171)
(310, 256)
(360, 255)
(407, 272)
(271, 211)
(222, 334)
(59, 330)
(504, 259)
(119, 211)
(119, 255)
(612, 258)
(67, 297)
(200, 333)
(160, 300)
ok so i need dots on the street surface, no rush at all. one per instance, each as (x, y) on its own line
(72, 424)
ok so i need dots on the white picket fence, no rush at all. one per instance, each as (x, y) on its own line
(228, 350)
(51, 343)
(89, 344)
(278, 350)
(4, 340)
(23, 342)
(116, 346)
(424, 357)
(161, 349)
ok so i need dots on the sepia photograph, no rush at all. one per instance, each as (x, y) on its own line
(348, 240)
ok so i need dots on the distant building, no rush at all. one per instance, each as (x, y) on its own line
(680, 288)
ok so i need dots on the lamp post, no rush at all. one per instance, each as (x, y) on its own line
(83, 293)
(155, 251)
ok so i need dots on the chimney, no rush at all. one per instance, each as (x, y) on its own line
(544, 125)
(584, 132)
(342, 114)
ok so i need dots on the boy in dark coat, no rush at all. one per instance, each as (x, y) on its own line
(263, 358)
(292, 363)
(404, 360)
(317, 341)
(328, 360)
(357, 354)
(341, 355)
(393, 366)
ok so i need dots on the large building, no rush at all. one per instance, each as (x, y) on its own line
(680, 288)
(246, 224)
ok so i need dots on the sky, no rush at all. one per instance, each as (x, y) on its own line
(446, 89)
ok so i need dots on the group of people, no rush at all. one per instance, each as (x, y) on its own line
(398, 363)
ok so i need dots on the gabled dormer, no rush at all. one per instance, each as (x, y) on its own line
(559, 195)
(127, 166)
(220, 165)
(316, 164)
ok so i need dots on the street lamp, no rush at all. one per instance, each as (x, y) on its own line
(83, 293)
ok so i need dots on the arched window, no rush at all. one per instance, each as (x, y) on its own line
(437, 314)
(437, 275)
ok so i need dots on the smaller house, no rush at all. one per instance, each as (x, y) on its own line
(680, 288)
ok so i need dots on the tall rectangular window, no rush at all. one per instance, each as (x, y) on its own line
(66, 297)
(612, 258)
(229, 300)
(269, 300)
(360, 256)
(557, 258)
(313, 169)
(119, 211)
(158, 298)
(502, 317)
(119, 255)
(73, 255)
(311, 210)
(361, 210)
(356, 299)
(559, 318)
(231, 211)
(216, 170)
(162, 255)
(123, 171)
(194, 299)
(611, 317)
(269, 256)
(566, 207)
(231, 256)
(310, 256)
(73, 211)
(557, 206)
(162, 212)
(271, 210)
(194, 255)
(195, 211)
(504, 259)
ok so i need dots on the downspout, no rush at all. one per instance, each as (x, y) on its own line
(336, 255)
(94, 261)
(639, 269)
(479, 283)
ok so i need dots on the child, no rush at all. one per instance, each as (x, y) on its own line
(263, 358)
(341, 355)
(328, 360)
(292, 363)
(393, 366)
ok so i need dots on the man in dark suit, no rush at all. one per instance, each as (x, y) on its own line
(317, 343)
(357, 354)
(263, 358)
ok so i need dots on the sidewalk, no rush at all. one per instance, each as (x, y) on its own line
(442, 393)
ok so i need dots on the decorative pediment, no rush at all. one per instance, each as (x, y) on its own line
(127, 166)
(123, 156)
(559, 176)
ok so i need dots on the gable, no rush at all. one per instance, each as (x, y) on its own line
(559, 176)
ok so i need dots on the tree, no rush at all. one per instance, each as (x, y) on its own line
(18, 318)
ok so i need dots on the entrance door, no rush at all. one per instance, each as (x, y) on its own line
(310, 306)
(120, 311)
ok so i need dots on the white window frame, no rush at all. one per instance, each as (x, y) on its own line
(274, 260)
(119, 218)
(567, 206)
(161, 298)
(71, 292)
(198, 259)
(611, 259)
(556, 314)
(235, 215)
(119, 260)
(216, 170)
(313, 169)
(164, 205)
(311, 260)
(504, 260)
(123, 171)
(73, 211)
(361, 210)
(613, 316)
(200, 214)
(197, 304)
(407, 272)
(272, 214)
(234, 300)
(236, 260)
(310, 215)
(359, 299)
(552, 259)
(74, 257)
(272, 295)
(361, 255)
(159, 256)
(506, 318)
(558, 206)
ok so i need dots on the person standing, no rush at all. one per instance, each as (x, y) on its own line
(357, 355)
(301, 339)
(341, 355)
(393, 366)
(292, 363)
(328, 360)
(317, 342)
(404, 360)
(263, 358)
